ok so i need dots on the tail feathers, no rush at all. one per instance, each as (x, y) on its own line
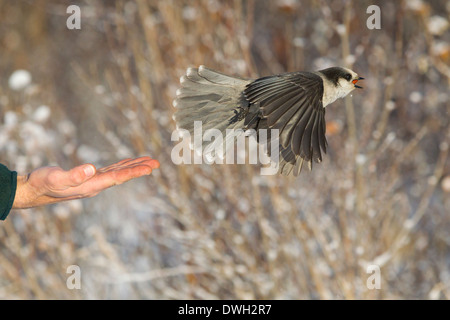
(214, 99)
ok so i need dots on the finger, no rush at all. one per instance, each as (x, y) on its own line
(154, 164)
(114, 165)
(143, 159)
(121, 163)
(60, 179)
(130, 171)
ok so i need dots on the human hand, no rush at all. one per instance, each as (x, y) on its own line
(48, 185)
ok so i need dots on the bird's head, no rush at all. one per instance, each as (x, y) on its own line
(342, 78)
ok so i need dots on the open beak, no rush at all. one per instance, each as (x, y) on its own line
(356, 80)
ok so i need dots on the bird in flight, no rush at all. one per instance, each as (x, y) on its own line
(294, 103)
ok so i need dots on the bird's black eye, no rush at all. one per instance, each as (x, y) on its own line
(348, 76)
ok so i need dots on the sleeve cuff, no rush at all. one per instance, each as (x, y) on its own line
(8, 185)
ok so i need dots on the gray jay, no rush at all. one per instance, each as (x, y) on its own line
(294, 103)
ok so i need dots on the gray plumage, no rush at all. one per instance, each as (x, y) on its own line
(290, 102)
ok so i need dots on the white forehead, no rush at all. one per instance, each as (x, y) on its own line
(353, 73)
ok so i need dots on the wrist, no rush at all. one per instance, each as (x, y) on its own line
(25, 194)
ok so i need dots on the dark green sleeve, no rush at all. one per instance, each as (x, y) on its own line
(8, 184)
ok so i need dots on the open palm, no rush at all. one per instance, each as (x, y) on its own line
(52, 184)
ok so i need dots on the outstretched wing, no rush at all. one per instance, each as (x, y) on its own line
(292, 103)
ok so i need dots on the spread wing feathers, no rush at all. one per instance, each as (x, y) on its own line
(287, 161)
(213, 98)
(292, 104)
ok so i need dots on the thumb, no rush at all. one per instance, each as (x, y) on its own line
(80, 174)
(89, 170)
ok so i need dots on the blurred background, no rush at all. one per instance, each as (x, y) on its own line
(103, 93)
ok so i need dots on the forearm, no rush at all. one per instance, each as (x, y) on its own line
(21, 194)
(28, 197)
